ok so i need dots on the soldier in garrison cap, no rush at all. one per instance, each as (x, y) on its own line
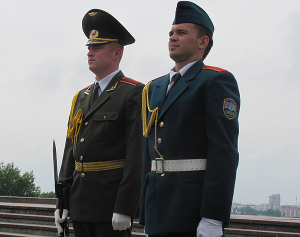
(190, 128)
(101, 167)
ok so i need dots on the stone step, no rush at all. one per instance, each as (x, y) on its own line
(51, 201)
(265, 223)
(18, 235)
(254, 233)
(27, 208)
(28, 219)
(27, 235)
(42, 230)
(137, 228)
(134, 234)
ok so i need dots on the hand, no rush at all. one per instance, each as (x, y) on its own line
(209, 228)
(120, 221)
(59, 219)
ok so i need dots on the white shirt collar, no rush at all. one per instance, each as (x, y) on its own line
(183, 70)
(104, 82)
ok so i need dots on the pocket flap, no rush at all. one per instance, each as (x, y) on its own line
(103, 116)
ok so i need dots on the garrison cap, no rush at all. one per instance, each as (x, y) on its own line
(101, 28)
(189, 12)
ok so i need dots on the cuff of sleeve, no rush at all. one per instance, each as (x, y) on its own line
(126, 205)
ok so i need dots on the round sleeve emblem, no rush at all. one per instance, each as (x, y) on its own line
(229, 108)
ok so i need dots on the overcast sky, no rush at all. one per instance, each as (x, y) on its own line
(43, 63)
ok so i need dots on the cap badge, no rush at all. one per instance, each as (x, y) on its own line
(94, 34)
(93, 13)
(229, 108)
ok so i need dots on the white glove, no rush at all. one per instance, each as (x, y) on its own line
(209, 228)
(120, 221)
(59, 219)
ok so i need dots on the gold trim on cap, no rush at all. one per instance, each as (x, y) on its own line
(104, 39)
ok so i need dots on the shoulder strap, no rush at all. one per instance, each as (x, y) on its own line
(217, 69)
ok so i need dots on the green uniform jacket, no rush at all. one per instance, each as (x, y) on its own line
(198, 120)
(111, 130)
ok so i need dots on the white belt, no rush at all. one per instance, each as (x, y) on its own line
(160, 165)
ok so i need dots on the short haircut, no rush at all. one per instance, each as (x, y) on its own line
(115, 45)
(202, 31)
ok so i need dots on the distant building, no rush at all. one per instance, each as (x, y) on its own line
(261, 207)
(290, 211)
(274, 202)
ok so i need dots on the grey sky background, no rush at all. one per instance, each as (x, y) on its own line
(43, 63)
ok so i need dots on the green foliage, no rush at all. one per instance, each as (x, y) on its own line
(251, 211)
(48, 195)
(12, 183)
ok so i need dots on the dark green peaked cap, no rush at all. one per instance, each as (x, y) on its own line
(101, 28)
(189, 12)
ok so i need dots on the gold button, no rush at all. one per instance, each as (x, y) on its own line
(86, 123)
(104, 117)
(161, 124)
(82, 175)
(159, 140)
(81, 158)
(82, 140)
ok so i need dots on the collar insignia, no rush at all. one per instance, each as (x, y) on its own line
(87, 92)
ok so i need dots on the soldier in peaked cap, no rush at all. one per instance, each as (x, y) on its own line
(101, 167)
(190, 128)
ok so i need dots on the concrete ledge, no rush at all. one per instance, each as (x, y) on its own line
(29, 219)
(18, 235)
(51, 201)
(29, 209)
(135, 234)
(288, 221)
(253, 233)
(43, 230)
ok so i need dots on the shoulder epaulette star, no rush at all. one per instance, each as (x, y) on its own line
(130, 81)
(217, 69)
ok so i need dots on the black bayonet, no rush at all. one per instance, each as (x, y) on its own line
(58, 194)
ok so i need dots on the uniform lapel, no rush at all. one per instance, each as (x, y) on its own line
(85, 100)
(159, 93)
(181, 85)
(105, 94)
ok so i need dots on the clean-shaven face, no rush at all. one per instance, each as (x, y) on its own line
(183, 42)
(100, 57)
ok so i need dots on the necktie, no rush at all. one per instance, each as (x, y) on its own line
(174, 79)
(95, 94)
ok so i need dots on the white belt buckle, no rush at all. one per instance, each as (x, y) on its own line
(159, 162)
(159, 166)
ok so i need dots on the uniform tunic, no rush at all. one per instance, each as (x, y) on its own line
(194, 122)
(110, 130)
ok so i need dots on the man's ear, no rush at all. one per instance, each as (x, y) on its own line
(118, 53)
(203, 42)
